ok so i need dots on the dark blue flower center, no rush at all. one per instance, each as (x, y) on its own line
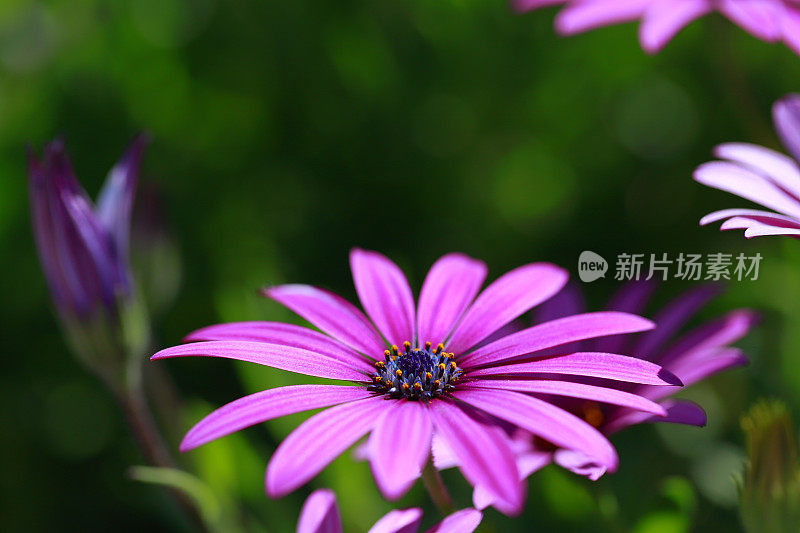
(415, 373)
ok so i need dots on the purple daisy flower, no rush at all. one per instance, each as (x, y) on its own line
(768, 20)
(692, 356)
(321, 515)
(760, 175)
(417, 372)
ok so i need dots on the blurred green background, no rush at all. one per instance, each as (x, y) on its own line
(286, 133)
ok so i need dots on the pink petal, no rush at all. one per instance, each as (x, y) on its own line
(463, 521)
(527, 463)
(274, 355)
(318, 441)
(555, 333)
(384, 294)
(398, 521)
(764, 230)
(442, 453)
(320, 514)
(786, 111)
(590, 364)
(284, 334)
(484, 454)
(504, 300)
(449, 288)
(399, 446)
(780, 169)
(568, 302)
(631, 297)
(266, 405)
(570, 389)
(740, 181)
(678, 412)
(332, 314)
(791, 37)
(760, 226)
(578, 17)
(713, 334)
(664, 18)
(579, 463)
(760, 18)
(674, 316)
(766, 217)
(543, 419)
(703, 364)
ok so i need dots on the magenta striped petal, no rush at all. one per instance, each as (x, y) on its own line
(318, 441)
(504, 300)
(631, 297)
(740, 181)
(765, 217)
(570, 389)
(528, 462)
(569, 301)
(384, 294)
(449, 288)
(332, 314)
(284, 334)
(398, 521)
(543, 419)
(483, 453)
(463, 521)
(320, 514)
(266, 405)
(700, 365)
(555, 333)
(757, 17)
(773, 165)
(273, 355)
(678, 412)
(719, 332)
(579, 463)
(399, 446)
(786, 111)
(673, 316)
(590, 364)
(664, 18)
(578, 17)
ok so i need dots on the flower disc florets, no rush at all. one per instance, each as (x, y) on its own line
(415, 373)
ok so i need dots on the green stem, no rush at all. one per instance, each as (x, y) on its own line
(436, 489)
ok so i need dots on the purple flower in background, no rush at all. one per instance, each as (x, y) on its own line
(321, 515)
(692, 356)
(418, 371)
(660, 20)
(83, 249)
(760, 175)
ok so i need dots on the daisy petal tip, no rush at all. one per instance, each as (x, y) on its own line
(669, 378)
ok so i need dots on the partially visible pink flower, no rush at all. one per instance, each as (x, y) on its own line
(692, 356)
(418, 372)
(660, 20)
(760, 175)
(321, 515)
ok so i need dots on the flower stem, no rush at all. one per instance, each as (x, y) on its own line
(436, 489)
(147, 436)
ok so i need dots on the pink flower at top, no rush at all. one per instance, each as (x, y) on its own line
(760, 175)
(418, 370)
(660, 20)
(320, 514)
